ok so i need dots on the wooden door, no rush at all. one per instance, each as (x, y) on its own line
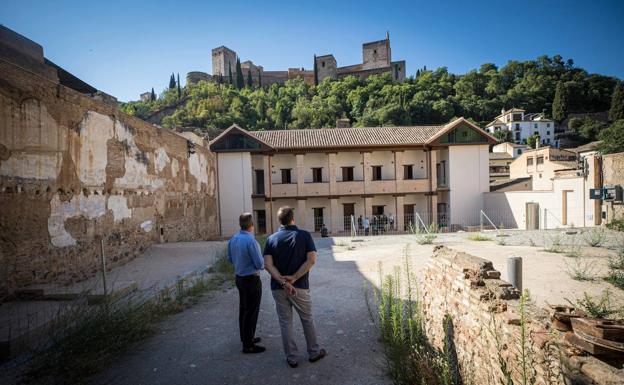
(348, 209)
(532, 216)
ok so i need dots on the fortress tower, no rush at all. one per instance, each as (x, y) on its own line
(223, 58)
(377, 54)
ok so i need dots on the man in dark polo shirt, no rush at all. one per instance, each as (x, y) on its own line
(289, 254)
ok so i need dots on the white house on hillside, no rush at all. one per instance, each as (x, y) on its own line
(522, 125)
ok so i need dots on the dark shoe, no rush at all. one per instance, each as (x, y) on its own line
(254, 349)
(292, 364)
(322, 353)
(256, 340)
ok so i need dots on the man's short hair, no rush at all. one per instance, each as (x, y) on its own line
(245, 221)
(285, 215)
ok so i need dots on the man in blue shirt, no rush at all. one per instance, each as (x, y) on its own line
(289, 254)
(244, 252)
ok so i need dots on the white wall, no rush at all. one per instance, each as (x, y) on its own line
(234, 189)
(468, 180)
(509, 208)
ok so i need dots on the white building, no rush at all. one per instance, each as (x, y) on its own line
(438, 173)
(522, 125)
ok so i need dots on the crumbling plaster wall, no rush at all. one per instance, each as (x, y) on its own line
(74, 170)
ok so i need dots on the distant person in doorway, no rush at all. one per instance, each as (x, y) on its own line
(324, 231)
(289, 254)
(360, 224)
(391, 220)
(244, 253)
(366, 226)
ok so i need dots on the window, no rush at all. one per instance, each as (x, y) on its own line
(347, 174)
(236, 141)
(540, 160)
(547, 132)
(519, 152)
(408, 171)
(376, 172)
(323, 64)
(260, 182)
(548, 141)
(286, 175)
(463, 134)
(517, 116)
(535, 125)
(529, 162)
(317, 175)
(548, 125)
(535, 132)
(517, 126)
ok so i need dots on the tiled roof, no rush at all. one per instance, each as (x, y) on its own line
(591, 146)
(347, 137)
(567, 164)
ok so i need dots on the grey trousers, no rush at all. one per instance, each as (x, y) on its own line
(303, 304)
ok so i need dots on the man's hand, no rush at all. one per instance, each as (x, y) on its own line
(290, 289)
(289, 278)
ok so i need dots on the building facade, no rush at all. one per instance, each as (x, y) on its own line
(500, 160)
(541, 164)
(329, 176)
(522, 125)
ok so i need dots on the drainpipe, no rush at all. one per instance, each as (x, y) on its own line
(271, 192)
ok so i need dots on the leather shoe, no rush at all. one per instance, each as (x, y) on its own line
(256, 340)
(254, 349)
(322, 353)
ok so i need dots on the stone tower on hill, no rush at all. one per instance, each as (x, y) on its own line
(376, 59)
(223, 59)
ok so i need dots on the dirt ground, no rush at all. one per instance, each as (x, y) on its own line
(201, 344)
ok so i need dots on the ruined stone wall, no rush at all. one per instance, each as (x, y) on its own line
(486, 326)
(613, 174)
(74, 170)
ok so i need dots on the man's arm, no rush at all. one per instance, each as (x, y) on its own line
(303, 269)
(229, 252)
(270, 267)
(256, 255)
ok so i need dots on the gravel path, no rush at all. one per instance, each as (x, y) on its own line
(200, 345)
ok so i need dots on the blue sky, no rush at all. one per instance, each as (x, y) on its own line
(126, 47)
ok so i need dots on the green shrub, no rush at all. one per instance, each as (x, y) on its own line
(595, 236)
(598, 307)
(479, 237)
(580, 270)
(616, 224)
(424, 236)
(410, 358)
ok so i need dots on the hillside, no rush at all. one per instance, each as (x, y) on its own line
(429, 97)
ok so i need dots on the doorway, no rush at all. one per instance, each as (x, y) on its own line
(532, 216)
(442, 214)
(408, 217)
(318, 218)
(261, 221)
(348, 209)
(260, 182)
(565, 195)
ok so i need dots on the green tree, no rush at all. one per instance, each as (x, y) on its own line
(179, 89)
(259, 79)
(240, 79)
(533, 141)
(152, 95)
(230, 78)
(616, 112)
(172, 82)
(503, 135)
(612, 138)
(560, 103)
(316, 80)
(249, 79)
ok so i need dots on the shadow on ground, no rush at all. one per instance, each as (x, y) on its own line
(201, 345)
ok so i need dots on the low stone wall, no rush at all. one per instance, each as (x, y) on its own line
(74, 170)
(486, 329)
